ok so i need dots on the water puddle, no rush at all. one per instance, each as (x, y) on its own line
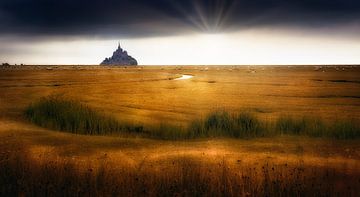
(184, 77)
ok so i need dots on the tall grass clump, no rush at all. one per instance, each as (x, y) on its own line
(248, 125)
(290, 125)
(58, 113)
(305, 125)
(221, 123)
(344, 130)
(315, 127)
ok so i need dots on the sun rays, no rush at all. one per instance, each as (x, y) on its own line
(204, 18)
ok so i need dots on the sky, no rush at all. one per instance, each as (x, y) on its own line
(186, 32)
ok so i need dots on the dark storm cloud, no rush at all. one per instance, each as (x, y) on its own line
(138, 18)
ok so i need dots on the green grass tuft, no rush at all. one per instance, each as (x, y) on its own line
(62, 114)
(248, 125)
(290, 125)
(344, 130)
(221, 123)
(315, 127)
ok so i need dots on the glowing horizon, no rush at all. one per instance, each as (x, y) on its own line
(252, 47)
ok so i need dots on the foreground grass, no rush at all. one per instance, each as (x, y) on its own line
(69, 115)
(23, 175)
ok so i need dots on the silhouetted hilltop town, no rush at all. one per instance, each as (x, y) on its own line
(120, 57)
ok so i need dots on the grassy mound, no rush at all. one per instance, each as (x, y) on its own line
(58, 113)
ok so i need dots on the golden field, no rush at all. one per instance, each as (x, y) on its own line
(32, 156)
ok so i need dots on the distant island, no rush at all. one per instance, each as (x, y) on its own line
(120, 57)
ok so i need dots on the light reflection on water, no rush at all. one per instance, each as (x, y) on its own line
(183, 77)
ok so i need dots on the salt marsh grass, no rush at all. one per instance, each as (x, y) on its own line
(70, 115)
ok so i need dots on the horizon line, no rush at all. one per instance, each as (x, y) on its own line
(22, 64)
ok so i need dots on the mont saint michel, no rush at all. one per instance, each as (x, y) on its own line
(120, 57)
